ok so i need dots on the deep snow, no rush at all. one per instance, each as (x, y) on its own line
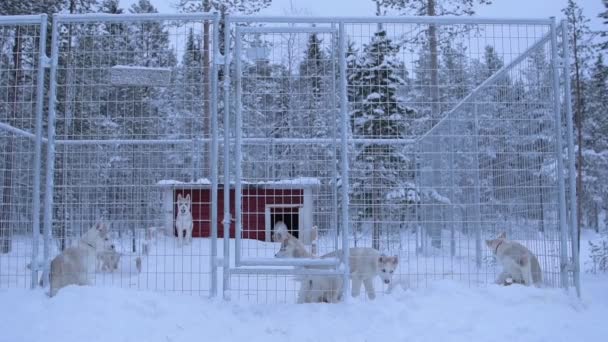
(443, 311)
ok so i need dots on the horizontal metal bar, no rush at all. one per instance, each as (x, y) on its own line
(287, 29)
(483, 85)
(22, 19)
(285, 271)
(92, 17)
(438, 20)
(250, 141)
(17, 131)
(289, 262)
(129, 141)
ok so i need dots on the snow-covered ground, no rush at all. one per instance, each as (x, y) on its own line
(444, 310)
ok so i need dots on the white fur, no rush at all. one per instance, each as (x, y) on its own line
(75, 263)
(107, 260)
(313, 288)
(183, 221)
(365, 264)
(519, 264)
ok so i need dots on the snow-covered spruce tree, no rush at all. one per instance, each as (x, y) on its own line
(580, 55)
(595, 141)
(379, 113)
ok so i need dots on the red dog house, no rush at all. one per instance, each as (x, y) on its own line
(263, 204)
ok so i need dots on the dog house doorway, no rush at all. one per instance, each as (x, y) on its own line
(289, 214)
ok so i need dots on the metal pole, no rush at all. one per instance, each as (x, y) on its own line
(50, 155)
(214, 155)
(571, 171)
(38, 148)
(344, 143)
(334, 169)
(227, 215)
(558, 155)
(477, 192)
(237, 150)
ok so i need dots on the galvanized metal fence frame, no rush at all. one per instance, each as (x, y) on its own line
(39, 21)
(560, 81)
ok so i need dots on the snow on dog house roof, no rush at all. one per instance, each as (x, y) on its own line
(203, 183)
(129, 75)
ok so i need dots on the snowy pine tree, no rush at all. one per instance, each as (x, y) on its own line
(379, 114)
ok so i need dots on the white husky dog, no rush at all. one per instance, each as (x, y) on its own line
(313, 288)
(183, 222)
(519, 264)
(74, 265)
(365, 264)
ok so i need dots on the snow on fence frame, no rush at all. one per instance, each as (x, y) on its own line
(343, 140)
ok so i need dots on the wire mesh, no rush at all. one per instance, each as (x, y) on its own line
(20, 39)
(452, 139)
(134, 133)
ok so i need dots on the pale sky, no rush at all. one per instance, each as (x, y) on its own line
(499, 8)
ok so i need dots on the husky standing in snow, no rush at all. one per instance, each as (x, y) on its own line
(183, 221)
(519, 264)
(74, 265)
(365, 264)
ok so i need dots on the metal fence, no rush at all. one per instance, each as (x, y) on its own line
(419, 137)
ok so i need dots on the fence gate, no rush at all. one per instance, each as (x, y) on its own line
(132, 119)
(286, 154)
(22, 51)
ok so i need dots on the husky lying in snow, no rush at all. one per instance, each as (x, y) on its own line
(76, 263)
(519, 264)
(313, 288)
(183, 221)
(365, 264)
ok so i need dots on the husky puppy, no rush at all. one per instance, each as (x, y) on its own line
(107, 260)
(183, 222)
(365, 264)
(313, 288)
(519, 264)
(75, 263)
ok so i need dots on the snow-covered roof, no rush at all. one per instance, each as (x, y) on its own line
(299, 182)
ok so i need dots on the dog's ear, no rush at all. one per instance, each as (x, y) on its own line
(179, 197)
(395, 259)
(502, 235)
(188, 197)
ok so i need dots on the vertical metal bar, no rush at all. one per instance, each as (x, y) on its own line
(571, 171)
(334, 169)
(558, 156)
(344, 156)
(477, 192)
(238, 149)
(451, 146)
(38, 148)
(227, 215)
(214, 155)
(50, 155)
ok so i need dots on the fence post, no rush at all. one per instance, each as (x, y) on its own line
(226, 187)
(50, 155)
(558, 156)
(477, 192)
(344, 156)
(571, 171)
(214, 155)
(38, 149)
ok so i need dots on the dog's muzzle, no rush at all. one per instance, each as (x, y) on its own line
(386, 281)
